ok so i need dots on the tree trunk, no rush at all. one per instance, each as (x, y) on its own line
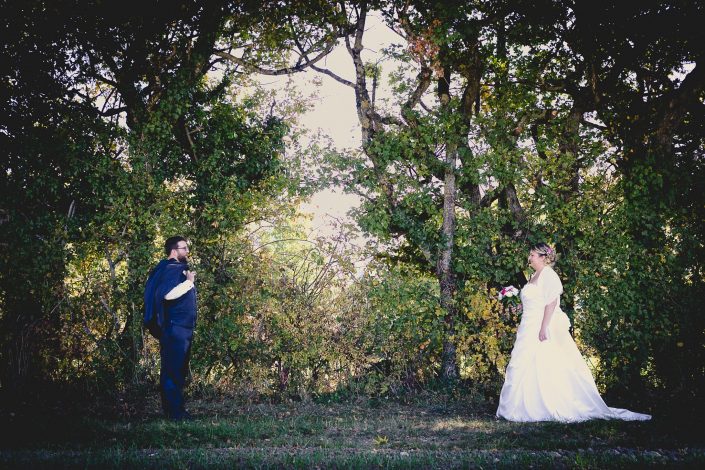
(446, 276)
(444, 269)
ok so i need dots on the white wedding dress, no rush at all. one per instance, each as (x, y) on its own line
(549, 380)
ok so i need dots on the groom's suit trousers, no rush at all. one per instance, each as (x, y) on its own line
(175, 351)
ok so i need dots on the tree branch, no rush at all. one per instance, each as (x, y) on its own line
(333, 75)
(113, 112)
(424, 81)
(284, 71)
(489, 197)
(385, 119)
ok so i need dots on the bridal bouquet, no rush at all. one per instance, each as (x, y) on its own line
(509, 296)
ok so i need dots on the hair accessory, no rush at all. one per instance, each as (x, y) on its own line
(549, 250)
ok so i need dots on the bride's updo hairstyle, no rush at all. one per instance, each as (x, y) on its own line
(546, 251)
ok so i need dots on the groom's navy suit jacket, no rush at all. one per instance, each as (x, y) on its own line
(160, 313)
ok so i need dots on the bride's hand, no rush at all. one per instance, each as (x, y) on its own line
(543, 336)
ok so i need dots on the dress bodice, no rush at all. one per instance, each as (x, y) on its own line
(531, 298)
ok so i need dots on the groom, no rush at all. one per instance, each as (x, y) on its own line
(170, 315)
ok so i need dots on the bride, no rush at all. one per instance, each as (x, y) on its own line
(547, 378)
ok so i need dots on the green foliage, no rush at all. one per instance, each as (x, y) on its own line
(92, 196)
(570, 141)
(398, 330)
(586, 132)
(485, 337)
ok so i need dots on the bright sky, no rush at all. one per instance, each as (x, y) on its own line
(335, 114)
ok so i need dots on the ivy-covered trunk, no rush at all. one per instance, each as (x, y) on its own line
(444, 270)
(446, 276)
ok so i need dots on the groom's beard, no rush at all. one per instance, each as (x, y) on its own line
(182, 258)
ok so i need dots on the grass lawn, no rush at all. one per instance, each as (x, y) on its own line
(355, 434)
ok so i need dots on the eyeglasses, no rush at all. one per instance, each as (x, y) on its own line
(182, 248)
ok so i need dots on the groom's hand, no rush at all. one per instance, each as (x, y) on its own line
(191, 276)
